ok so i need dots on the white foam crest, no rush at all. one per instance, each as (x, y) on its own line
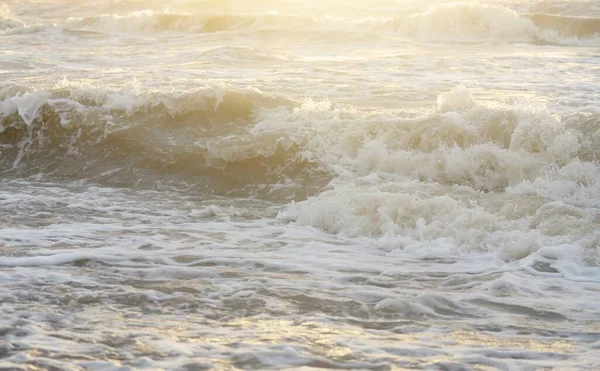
(423, 222)
(481, 145)
(27, 105)
(463, 147)
(221, 212)
(555, 37)
(577, 183)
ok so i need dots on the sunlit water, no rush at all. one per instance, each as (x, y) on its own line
(193, 185)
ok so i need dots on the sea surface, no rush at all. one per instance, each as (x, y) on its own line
(299, 185)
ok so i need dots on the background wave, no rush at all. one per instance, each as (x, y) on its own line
(152, 21)
(576, 27)
(454, 22)
(471, 22)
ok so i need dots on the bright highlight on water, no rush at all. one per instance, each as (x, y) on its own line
(370, 185)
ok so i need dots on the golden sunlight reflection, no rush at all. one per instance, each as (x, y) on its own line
(502, 341)
(328, 340)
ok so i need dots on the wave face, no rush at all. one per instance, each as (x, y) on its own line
(130, 136)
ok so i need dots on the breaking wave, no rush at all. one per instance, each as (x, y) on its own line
(467, 171)
(129, 136)
(462, 142)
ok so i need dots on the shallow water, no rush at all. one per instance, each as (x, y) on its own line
(291, 185)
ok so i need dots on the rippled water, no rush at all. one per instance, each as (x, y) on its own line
(299, 185)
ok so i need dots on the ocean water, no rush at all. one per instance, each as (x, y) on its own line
(299, 184)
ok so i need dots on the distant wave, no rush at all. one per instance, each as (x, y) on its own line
(568, 27)
(468, 22)
(452, 23)
(151, 21)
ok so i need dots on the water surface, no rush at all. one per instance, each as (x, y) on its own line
(371, 185)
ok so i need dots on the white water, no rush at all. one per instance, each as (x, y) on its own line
(294, 185)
